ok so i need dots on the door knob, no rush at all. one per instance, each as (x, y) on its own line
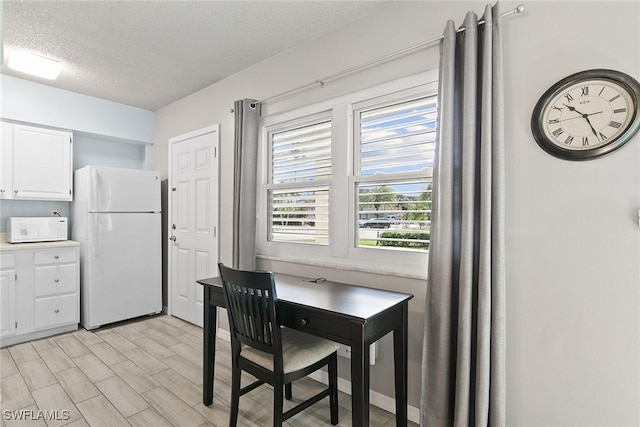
(172, 238)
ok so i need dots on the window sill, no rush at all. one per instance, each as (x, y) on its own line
(345, 267)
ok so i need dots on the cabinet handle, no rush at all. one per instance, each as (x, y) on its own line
(56, 311)
(15, 191)
(56, 257)
(1, 190)
(304, 322)
(57, 280)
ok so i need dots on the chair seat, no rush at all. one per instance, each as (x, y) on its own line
(299, 350)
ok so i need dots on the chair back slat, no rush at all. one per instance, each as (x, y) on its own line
(251, 299)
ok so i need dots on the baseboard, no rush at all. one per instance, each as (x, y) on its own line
(376, 399)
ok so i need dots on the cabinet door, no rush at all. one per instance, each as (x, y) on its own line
(7, 303)
(42, 163)
(6, 161)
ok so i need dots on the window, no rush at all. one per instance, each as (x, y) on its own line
(346, 183)
(300, 176)
(393, 187)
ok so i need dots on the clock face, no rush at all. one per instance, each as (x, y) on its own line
(587, 115)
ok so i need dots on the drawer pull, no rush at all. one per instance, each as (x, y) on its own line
(56, 311)
(304, 322)
(57, 280)
(56, 257)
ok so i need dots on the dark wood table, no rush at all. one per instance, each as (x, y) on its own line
(351, 315)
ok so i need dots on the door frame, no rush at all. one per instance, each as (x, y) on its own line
(171, 141)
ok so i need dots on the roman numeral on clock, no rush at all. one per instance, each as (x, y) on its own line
(569, 140)
(585, 91)
(557, 132)
(552, 121)
(619, 110)
(569, 97)
(614, 124)
(585, 141)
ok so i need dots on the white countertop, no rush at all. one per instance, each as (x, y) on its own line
(5, 246)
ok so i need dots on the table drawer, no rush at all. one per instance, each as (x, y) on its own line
(313, 322)
(55, 279)
(55, 256)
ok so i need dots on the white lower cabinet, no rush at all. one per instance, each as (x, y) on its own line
(7, 295)
(40, 293)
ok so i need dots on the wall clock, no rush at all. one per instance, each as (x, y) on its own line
(587, 114)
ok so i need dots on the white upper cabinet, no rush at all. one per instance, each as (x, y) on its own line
(6, 161)
(41, 163)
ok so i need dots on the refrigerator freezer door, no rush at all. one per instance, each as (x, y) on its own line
(121, 277)
(123, 190)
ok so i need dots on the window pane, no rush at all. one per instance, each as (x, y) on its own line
(398, 138)
(300, 215)
(394, 215)
(301, 154)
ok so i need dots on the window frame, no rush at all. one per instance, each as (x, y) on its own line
(342, 252)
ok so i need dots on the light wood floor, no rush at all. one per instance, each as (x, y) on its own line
(141, 373)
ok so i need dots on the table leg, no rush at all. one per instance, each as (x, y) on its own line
(209, 351)
(359, 378)
(400, 341)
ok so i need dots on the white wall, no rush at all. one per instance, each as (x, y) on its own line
(36, 103)
(573, 245)
(573, 242)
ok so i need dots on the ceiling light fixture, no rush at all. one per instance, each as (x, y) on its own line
(35, 65)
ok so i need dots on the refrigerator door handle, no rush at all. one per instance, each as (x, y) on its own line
(94, 190)
(94, 235)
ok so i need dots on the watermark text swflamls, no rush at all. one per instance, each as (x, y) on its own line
(30, 414)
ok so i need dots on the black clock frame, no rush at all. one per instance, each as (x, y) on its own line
(627, 82)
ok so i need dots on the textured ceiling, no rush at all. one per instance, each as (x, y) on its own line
(151, 53)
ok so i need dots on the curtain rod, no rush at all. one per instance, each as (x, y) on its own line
(516, 11)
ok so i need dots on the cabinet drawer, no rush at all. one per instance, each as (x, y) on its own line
(55, 279)
(7, 261)
(55, 256)
(55, 311)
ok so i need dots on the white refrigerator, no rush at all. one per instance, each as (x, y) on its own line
(116, 218)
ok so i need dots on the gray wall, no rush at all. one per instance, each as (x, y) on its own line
(573, 288)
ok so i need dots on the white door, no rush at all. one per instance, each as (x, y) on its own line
(193, 221)
(121, 270)
(42, 161)
(124, 190)
(7, 303)
(6, 161)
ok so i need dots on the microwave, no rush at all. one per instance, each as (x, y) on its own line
(36, 229)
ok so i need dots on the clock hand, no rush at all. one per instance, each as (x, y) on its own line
(580, 117)
(591, 126)
(573, 109)
(591, 114)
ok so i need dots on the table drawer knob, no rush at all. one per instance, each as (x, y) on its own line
(56, 311)
(57, 280)
(304, 322)
(56, 257)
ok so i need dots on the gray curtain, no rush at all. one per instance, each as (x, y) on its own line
(247, 116)
(463, 380)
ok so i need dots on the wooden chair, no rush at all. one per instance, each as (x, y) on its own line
(273, 354)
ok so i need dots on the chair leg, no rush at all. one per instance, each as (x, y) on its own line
(235, 395)
(278, 404)
(288, 393)
(333, 387)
